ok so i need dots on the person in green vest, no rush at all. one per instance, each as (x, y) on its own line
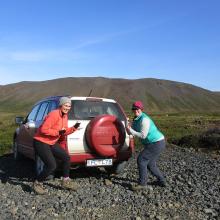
(153, 142)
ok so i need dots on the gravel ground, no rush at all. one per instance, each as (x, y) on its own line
(192, 192)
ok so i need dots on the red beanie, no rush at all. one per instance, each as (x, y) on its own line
(137, 105)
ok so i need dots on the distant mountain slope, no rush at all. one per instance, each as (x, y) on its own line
(157, 95)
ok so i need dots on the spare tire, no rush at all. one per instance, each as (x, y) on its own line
(105, 134)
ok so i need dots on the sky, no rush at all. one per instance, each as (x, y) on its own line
(176, 40)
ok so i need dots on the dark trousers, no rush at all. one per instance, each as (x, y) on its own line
(48, 155)
(147, 161)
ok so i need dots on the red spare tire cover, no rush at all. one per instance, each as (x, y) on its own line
(105, 134)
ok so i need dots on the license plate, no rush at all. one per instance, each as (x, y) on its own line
(99, 162)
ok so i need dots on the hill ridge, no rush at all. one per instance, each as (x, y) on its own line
(158, 95)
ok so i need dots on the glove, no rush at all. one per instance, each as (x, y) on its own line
(62, 132)
(76, 125)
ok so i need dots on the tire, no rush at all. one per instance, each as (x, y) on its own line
(105, 134)
(39, 165)
(117, 168)
(16, 154)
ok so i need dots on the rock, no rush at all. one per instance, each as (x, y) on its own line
(108, 182)
(192, 191)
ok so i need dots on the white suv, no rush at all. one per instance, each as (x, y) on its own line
(100, 141)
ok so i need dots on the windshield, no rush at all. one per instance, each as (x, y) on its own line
(85, 110)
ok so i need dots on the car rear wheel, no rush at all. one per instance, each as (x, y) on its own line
(117, 168)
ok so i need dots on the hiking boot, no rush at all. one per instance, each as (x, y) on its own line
(159, 183)
(139, 187)
(69, 185)
(39, 188)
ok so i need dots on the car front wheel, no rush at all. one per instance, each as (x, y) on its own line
(17, 155)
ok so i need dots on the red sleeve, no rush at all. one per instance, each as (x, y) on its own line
(48, 128)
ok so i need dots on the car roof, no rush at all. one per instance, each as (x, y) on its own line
(78, 98)
(92, 99)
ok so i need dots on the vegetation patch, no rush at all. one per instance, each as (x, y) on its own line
(7, 128)
(208, 140)
(191, 130)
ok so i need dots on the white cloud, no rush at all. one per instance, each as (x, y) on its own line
(39, 55)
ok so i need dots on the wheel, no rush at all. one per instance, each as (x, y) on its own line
(116, 168)
(105, 134)
(17, 155)
(39, 165)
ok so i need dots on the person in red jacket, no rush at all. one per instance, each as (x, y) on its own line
(47, 146)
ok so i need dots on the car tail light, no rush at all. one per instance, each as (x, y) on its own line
(131, 143)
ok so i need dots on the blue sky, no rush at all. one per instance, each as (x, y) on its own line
(176, 40)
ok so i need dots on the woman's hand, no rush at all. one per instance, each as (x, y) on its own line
(62, 131)
(128, 126)
(76, 125)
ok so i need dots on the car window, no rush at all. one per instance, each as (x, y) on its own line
(33, 113)
(42, 112)
(84, 109)
(53, 106)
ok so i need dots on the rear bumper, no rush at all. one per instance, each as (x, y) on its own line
(82, 157)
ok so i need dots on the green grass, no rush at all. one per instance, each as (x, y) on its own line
(7, 129)
(174, 126)
(177, 125)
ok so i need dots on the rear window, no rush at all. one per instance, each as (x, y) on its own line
(85, 110)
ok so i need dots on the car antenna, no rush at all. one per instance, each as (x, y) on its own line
(90, 93)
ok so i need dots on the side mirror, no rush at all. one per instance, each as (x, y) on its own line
(19, 120)
(31, 124)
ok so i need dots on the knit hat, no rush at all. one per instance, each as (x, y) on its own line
(64, 100)
(137, 105)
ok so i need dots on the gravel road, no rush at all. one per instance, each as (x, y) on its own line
(193, 191)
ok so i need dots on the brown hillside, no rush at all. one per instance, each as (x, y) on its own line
(157, 95)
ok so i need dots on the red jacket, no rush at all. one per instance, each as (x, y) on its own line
(48, 132)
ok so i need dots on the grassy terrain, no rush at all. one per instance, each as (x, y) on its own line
(174, 126)
(7, 128)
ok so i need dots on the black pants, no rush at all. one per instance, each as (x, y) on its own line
(48, 155)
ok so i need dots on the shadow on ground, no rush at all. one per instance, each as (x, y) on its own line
(23, 170)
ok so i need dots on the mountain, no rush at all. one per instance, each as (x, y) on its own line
(157, 95)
